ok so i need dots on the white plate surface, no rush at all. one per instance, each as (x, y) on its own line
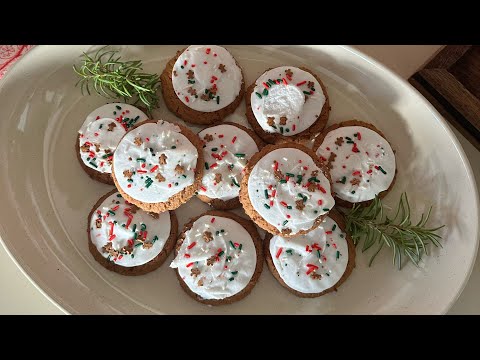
(46, 196)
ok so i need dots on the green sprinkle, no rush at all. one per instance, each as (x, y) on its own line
(287, 130)
(235, 182)
(271, 82)
(289, 251)
(268, 207)
(191, 81)
(123, 225)
(217, 232)
(265, 92)
(173, 147)
(222, 231)
(306, 92)
(88, 159)
(206, 166)
(355, 134)
(134, 227)
(214, 149)
(139, 244)
(231, 244)
(315, 211)
(118, 107)
(266, 194)
(111, 212)
(338, 255)
(353, 191)
(283, 181)
(346, 137)
(104, 156)
(240, 247)
(313, 179)
(101, 126)
(221, 253)
(344, 180)
(229, 258)
(258, 94)
(300, 178)
(341, 235)
(148, 183)
(290, 175)
(325, 209)
(143, 227)
(327, 274)
(240, 155)
(133, 255)
(350, 142)
(114, 113)
(218, 99)
(182, 66)
(231, 279)
(130, 180)
(206, 91)
(234, 272)
(135, 236)
(155, 238)
(285, 223)
(334, 227)
(230, 166)
(319, 254)
(184, 176)
(381, 169)
(289, 207)
(93, 164)
(176, 184)
(119, 195)
(281, 129)
(140, 159)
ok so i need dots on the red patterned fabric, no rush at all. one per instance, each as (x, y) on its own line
(9, 54)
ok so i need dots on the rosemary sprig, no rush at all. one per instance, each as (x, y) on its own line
(399, 233)
(113, 78)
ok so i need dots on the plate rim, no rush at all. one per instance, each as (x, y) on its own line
(382, 68)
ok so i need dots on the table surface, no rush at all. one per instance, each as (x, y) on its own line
(19, 296)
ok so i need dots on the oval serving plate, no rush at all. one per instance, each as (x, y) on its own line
(46, 196)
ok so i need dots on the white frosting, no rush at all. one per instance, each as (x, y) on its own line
(226, 154)
(281, 209)
(287, 99)
(363, 167)
(199, 68)
(151, 181)
(114, 217)
(231, 252)
(96, 134)
(327, 252)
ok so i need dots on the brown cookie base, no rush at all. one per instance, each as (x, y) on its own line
(319, 140)
(273, 138)
(105, 178)
(257, 241)
(232, 203)
(183, 196)
(338, 218)
(175, 105)
(245, 199)
(153, 264)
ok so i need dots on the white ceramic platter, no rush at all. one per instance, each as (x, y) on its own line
(46, 196)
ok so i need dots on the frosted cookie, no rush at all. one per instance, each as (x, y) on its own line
(287, 103)
(360, 159)
(127, 240)
(99, 136)
(202, 84)
(314, 264)
(158, 165)
(227, 149)
(218, 257)
(286, 189)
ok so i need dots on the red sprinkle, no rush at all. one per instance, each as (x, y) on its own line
(320, 202)
(129, 185)
(205, 62)
(234, 139)
(148, 139)
(189, 264)
(191, 245)
(275, 165)
(98, 117)
(96, 134)
(120, 257)
(328, 232)
(301, 83)
(305, 168)
(293, 127)
(283, 203)
(111, 228)
(213, 220)
(187, 99)
(169, 185)
(369, 171)
(221, 136)
(142, 171)
(187, 255)
(321, 189)
(359, 136)
(356, 173)
(355, 149)
(185, 62)
(284, 81)
(193, 65)
(203, 188)
(265, 86)
(208, 50)
(213, 165)
(214, 77)
(112, 237)
(116, 208)
(279, 252)
(144, 165)
(271, 202)
(154, 168)
(328, 149)
(311, 268)
(274, 192)
(322, 158)
(130, 242)
(288, 216)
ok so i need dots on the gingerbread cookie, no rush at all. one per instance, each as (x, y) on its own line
(361, 161)
(314, 264)
(127, 240)
(286, 189)
(158, 165)
(287, 103)
(202, 84)
(227, 149)
(218, 258)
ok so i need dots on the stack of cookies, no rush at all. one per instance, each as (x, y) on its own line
(285, 188)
